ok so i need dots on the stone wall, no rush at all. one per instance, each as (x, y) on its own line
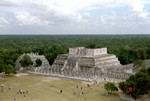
(86, 51)
(100, 51)
(33, 57)
(85, 73)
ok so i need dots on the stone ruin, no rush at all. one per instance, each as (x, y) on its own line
(33, 57)
(83, 64)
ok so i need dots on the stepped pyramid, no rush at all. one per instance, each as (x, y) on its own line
(80, 58)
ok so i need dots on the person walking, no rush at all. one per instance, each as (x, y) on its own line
(60, 91)
(77, 87)
(81, 87)
(15, 99)
(9, 87)
(27, 91)
(2, 87)
(88, 85)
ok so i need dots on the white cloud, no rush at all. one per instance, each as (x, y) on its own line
(3, 22)
(26, 19)
(73, 15)
(137, 6)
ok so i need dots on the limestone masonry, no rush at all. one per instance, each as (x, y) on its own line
(83, 64)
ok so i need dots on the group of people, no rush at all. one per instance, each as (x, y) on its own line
(20, 91)
(81, 92)
(25, 92)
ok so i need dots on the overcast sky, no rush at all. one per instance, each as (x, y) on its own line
(74, 16)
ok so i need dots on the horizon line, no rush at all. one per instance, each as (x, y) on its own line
(71, 34)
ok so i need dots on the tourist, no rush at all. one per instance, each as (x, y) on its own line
(77, 87)
(60, 91)
(14, 98)
(18, 92)
(82, 92)
(27, 91)
(81, 87)
(9, 87)
(79, 93)
(21, 91)
(2, 87)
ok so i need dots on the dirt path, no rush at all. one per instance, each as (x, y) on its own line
(21, 74)
(129, 98)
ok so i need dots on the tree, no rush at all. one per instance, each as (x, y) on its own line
(92, 45)
(2, 66)
(110, 87)
(144, 70)
(26, 61)
(139, 63)
(139, 82)
(50, 57)
(10, 62)
(148, 70)
(122, 86)
(124, 59)
(9, 69)
(54, 51)
(143, 54)
(38, 62)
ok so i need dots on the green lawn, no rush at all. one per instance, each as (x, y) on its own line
(43, 88)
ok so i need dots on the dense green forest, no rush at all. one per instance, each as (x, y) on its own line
(128, 48)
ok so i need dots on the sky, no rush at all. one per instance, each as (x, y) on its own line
(74, 17)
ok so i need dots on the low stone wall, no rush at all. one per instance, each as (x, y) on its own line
(86, 74)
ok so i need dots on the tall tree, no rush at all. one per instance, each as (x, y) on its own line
(38, 62)
(138, 83)
(10, 70)
(110, 87)
(26, 61)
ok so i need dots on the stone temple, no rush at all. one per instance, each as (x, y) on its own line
(81, 58)
(83, 64)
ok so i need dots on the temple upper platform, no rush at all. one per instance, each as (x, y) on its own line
(87, 51)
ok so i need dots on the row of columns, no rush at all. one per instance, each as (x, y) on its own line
(88, 74)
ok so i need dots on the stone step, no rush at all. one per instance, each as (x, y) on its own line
(59, 61)
(97, 62)
(107, 60)
(86, 63)
(104, 55)
(108, 64)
